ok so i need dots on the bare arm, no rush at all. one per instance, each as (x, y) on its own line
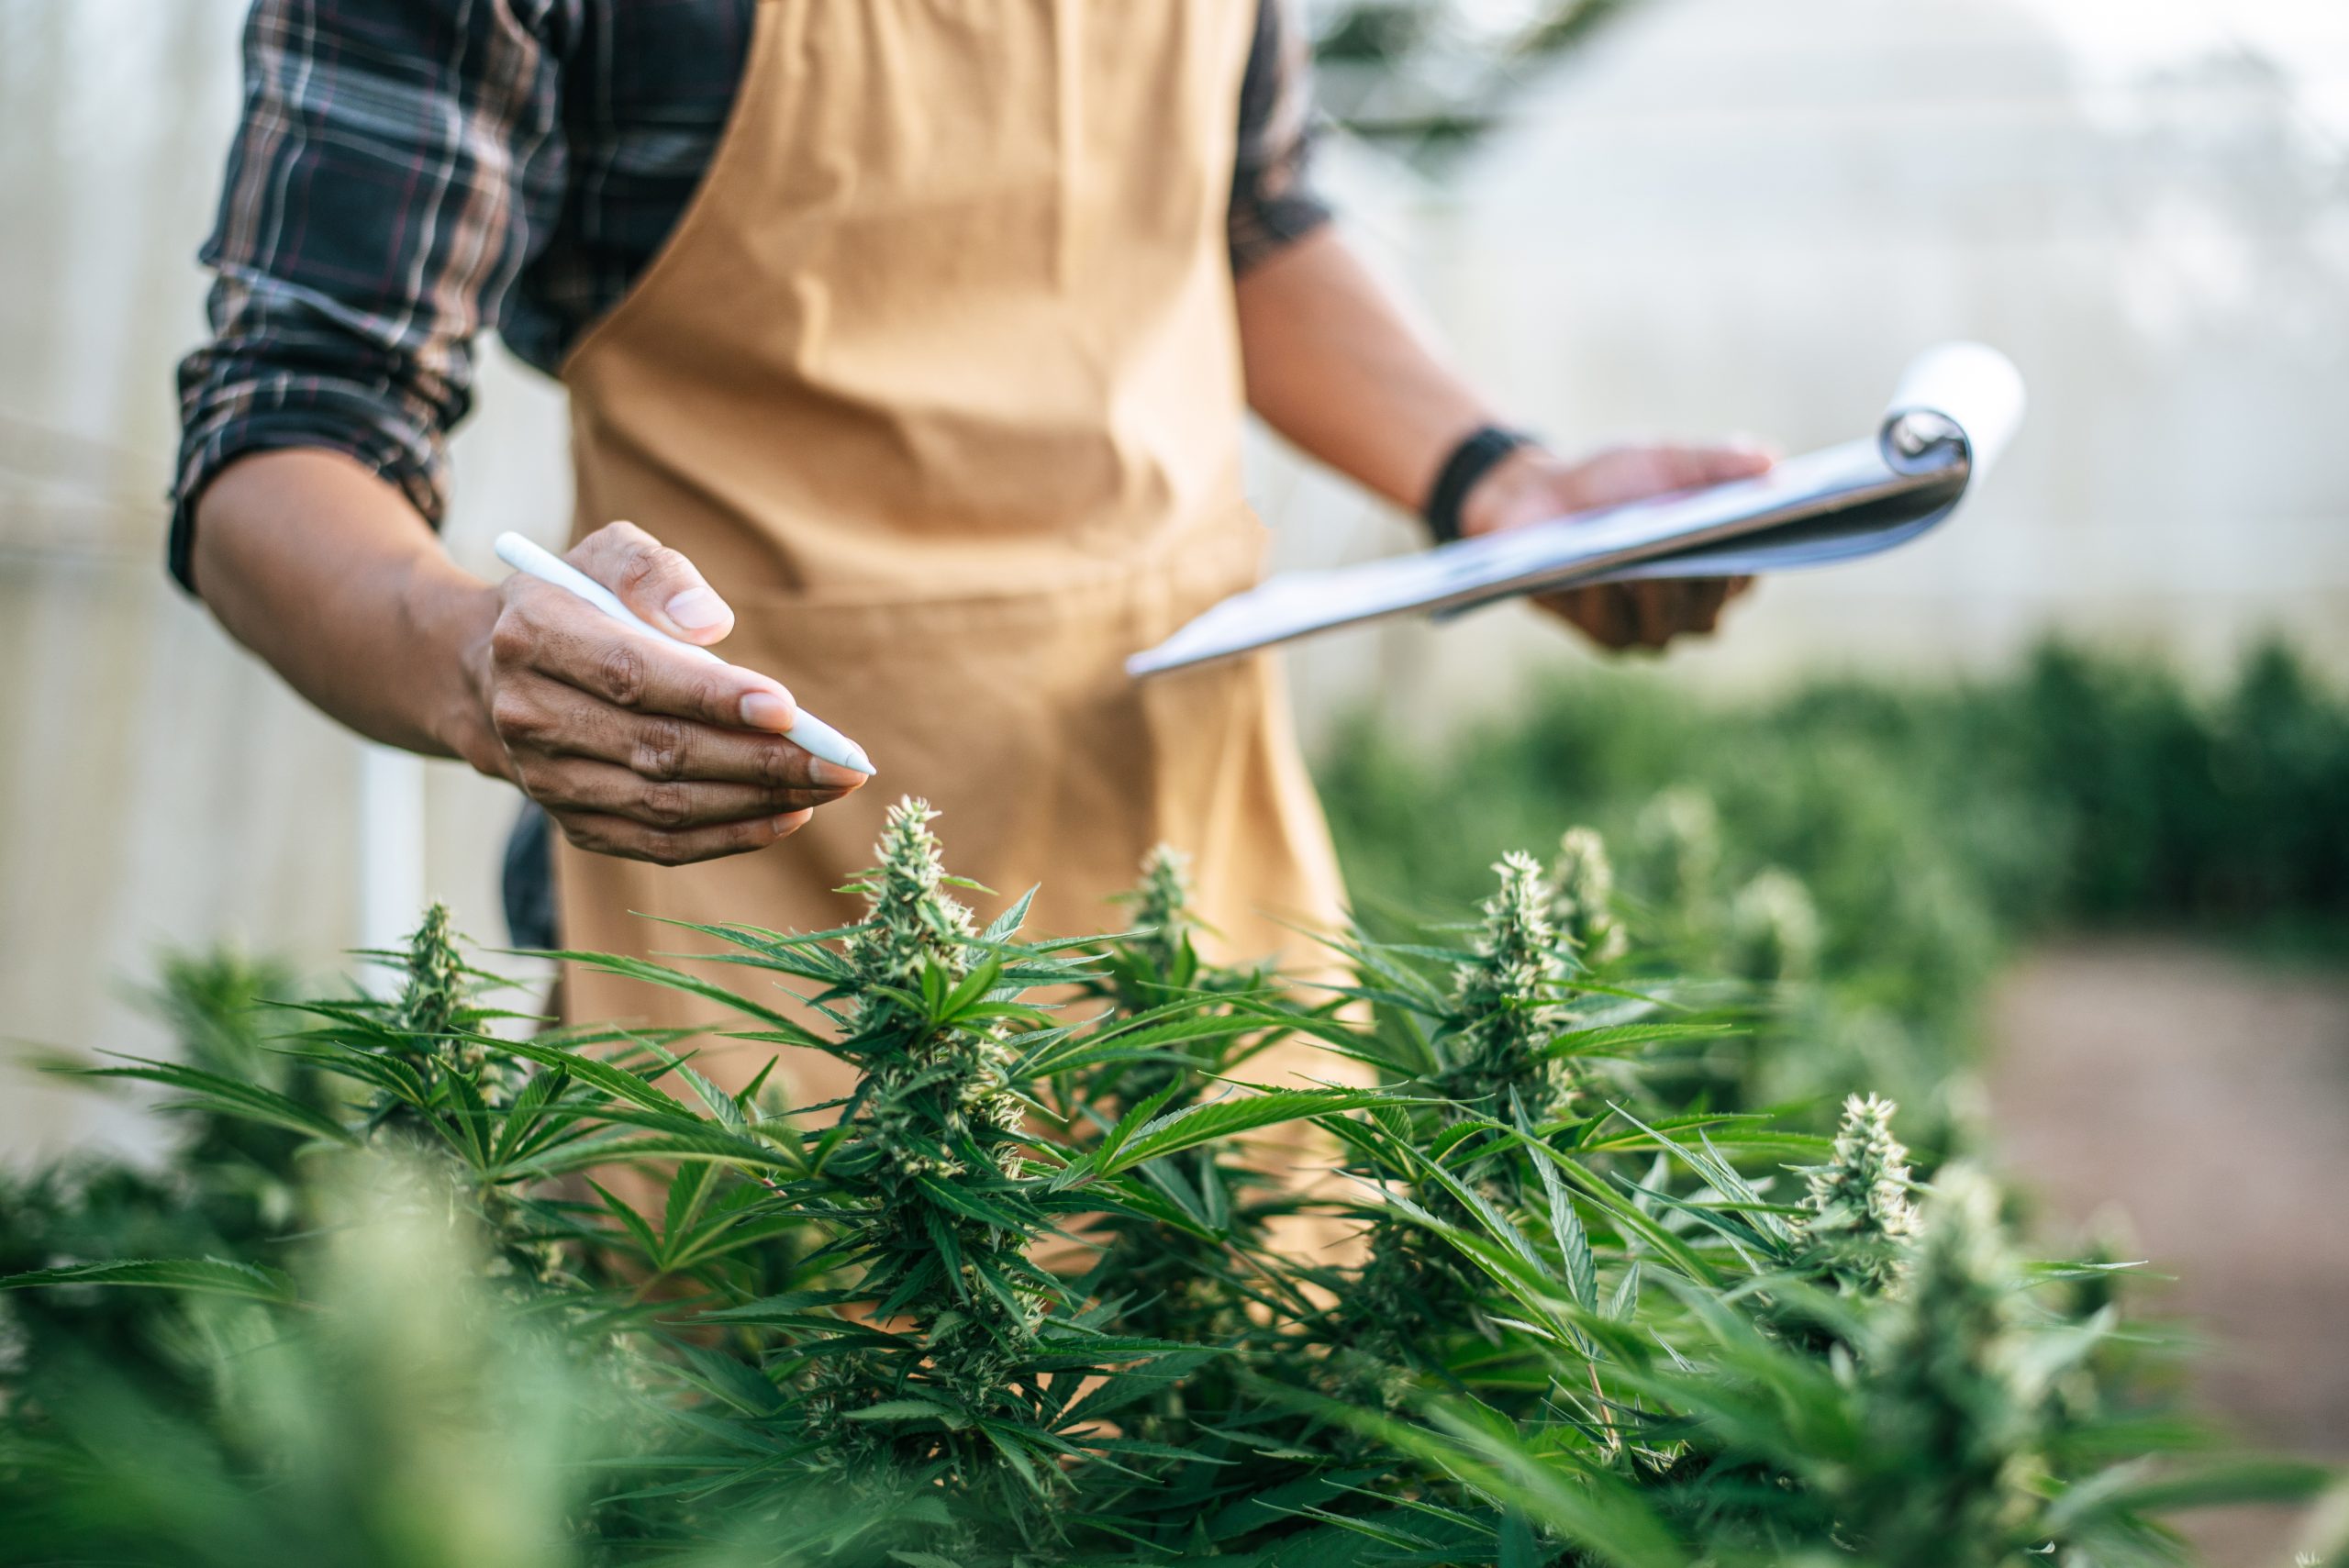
(326, 563)
(326, 571)
(329, 574)
(1334, 367)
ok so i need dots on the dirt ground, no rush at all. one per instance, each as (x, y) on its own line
(2201, 1101)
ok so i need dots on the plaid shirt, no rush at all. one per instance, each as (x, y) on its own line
(409, 172)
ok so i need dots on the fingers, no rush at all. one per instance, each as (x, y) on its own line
(637, 749)
(658, 789)
(1630, 474)
(538, 716)
(1667, 607)
(1689, 468)
(550, 632)
(1651, 614)
(1602, 613)
(1656, 610)
(582, 785)
(634, 840)
(1735, 460)
(1646, 614)
(659, 584)
(1701, 602)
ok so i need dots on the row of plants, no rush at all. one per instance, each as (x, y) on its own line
(1074, 1275)
(1889, 842)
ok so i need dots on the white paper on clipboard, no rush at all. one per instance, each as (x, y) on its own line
(1954, 411)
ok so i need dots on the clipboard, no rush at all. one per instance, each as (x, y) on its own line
(1951, 415)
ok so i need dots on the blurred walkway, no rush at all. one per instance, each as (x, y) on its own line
(2206, 1098)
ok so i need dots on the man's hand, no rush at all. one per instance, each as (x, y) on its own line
(634, 748)
(1531, 485)
(1336, 368)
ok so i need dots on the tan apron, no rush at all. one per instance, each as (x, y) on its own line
(939, 384)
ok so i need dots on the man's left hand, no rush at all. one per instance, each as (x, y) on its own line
(1531, 485)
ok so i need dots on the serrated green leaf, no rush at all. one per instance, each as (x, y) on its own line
(909, 1411)
(223, 1095)
(208, 1276)
(1210, 1121)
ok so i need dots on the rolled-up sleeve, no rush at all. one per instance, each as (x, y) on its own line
(393, 162)
(1273, 201)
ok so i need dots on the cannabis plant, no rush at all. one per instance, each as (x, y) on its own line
(541, 1297)
(940, 1359)
(1186, 1027)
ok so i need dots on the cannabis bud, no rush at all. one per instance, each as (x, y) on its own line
(1679, 838)
(1506, 997)
(1772, 930)
(1162, 904)
(911, 922)
(1584, 906)
(1860, 1213)
(1951, 1398)
(435, 991)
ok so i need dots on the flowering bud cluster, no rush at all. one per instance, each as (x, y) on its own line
(435, 989)
(1583, 906)
(1774, 933)
(1951, 1386)
(1507, 1000)
(1679, 836)
(1860, 1212)
(912, 922)
(939, 1112)
(434, 1023)
(1162, 905)
(912, 926)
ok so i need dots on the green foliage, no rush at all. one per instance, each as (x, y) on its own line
(2208, 810)
(231, 1182)
(1023, 1296)
(1863, 854)
(1584, 908)
(1430, 77)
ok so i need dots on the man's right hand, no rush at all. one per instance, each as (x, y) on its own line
(634, 748)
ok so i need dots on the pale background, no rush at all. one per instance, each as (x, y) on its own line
(1721, 215)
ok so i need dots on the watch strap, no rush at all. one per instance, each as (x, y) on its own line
(1472, 459)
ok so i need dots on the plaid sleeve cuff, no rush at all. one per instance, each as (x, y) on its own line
(1264, 220)
(230, 411)
(1272, 204)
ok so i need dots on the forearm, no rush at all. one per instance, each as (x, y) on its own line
(1335, 367)
(329, 573)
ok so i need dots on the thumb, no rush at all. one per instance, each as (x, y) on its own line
(657, 582)
(1738, 459)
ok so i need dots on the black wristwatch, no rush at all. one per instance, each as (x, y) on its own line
(1472, 459)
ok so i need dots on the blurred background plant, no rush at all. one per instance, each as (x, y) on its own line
(1423, 78)
(407, 1418)
(2059, 914)
(227, 1186)
(1872, 852)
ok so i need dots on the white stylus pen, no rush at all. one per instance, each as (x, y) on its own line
(807, 733)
